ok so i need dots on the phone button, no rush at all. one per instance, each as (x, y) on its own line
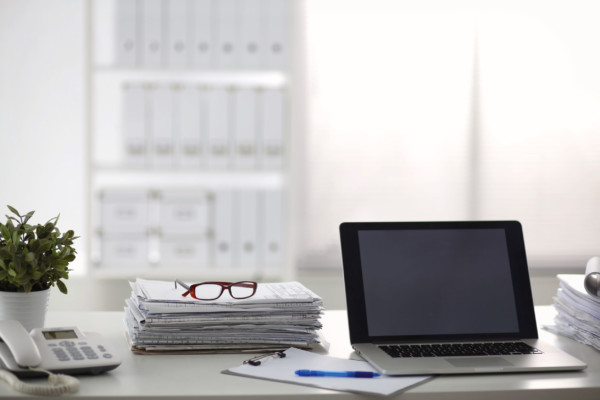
(60, 354)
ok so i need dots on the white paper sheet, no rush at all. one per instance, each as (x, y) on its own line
(283, 370)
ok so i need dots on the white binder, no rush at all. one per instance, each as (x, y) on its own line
(246, 249)
(124, 223)
(277, 38)
(219, 125)
(177, 38)
(252, 35)
(130, 250)
(183, 214)
(272, 239)
(126, 44)
(202, 47)
(191, 126)
(273, 128)
(124, 212)
(161, 126)
(223, 229)
(245, 128)
(189, 252)
(133, 124)
(151, 16)
(227, 34)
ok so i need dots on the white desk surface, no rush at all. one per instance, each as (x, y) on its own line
(200, 377)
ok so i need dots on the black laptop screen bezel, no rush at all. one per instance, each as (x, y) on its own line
(355, 294)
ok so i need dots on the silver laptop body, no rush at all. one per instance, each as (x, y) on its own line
(443, 298)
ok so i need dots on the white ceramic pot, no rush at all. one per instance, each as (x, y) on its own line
(28, 308)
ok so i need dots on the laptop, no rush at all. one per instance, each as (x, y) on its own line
(443, 298)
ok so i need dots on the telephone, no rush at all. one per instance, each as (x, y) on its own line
(64, 350)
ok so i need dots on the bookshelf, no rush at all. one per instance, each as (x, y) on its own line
(192, 142)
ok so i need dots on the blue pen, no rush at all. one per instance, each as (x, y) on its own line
(339, 374)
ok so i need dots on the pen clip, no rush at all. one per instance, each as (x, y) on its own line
(256, 361)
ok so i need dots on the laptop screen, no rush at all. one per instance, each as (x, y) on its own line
(442, 281)
(437, 280)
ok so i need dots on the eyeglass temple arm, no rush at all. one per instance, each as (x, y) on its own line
(177, 281)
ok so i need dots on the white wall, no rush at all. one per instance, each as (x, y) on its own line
(42, 111)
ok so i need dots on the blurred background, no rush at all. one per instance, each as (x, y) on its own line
(205, 139)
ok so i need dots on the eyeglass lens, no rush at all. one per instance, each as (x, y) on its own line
(211, 291)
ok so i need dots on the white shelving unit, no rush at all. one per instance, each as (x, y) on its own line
(176, 137)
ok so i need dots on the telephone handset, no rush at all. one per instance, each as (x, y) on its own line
(46, 350)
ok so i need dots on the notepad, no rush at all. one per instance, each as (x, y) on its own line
(283, 370)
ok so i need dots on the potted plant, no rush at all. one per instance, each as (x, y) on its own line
(33, 258)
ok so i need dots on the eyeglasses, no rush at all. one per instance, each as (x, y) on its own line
(214, 290)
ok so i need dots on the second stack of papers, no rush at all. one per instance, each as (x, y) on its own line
(578, 313)
(279, 315)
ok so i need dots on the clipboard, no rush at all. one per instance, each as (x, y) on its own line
(282, 369)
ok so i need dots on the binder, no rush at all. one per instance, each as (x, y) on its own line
(219, 125)
(184, 252)
(277, 39)
(223, 229)
(133, 124)
(273, 235)
(177, 41)
(126, 44)
(183, 214)
(124, 212)
(184, 227)
(131, 250)
(227, 35)
(252, 38)
(151, 33)
(161, 126)
(191, 126)
(245, 128)
(273, 128)
(202, 48)
(246, 249)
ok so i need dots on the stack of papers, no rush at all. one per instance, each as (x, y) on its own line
(578, 313)
(159, 319)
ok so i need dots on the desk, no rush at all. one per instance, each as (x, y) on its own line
(199, 377)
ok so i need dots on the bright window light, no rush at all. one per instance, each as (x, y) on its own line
(445, 110)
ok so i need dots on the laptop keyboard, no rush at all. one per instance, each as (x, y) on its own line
(459, 349)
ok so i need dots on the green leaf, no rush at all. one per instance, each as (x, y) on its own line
(44, 246)
(14, 210)
(60, 264)
(28, 216)
(61, 286)
(5, 232)
(30, 257)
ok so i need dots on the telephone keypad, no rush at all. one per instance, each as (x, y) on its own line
(60, 354)
(68, 350)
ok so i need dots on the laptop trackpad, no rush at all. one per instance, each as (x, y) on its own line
(478, 362)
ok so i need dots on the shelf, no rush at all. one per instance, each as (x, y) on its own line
(144, 178)
(238, 115)
(232, 77)
(191, 274)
